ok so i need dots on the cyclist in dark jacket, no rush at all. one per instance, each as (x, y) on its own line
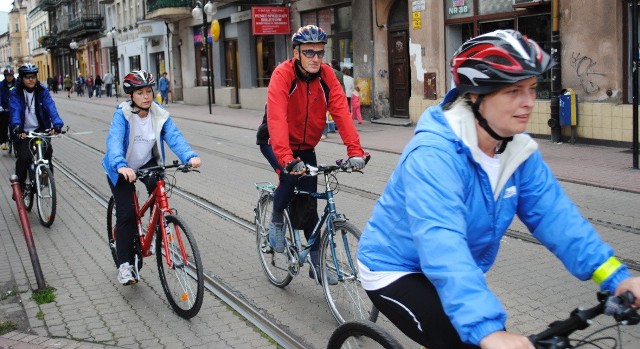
(6, 86)
(32, 109)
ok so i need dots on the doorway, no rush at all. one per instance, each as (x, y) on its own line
(232, 77)
(399, 82)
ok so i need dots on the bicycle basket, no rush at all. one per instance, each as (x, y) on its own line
(303, 211)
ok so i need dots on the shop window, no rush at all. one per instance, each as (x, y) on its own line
(538, 28)
(266, 59)
(339, 44)
(134, 63)
(494, 6)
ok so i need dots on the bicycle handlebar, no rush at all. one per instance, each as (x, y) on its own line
(341, 165)
(144, 172)
(620, 307)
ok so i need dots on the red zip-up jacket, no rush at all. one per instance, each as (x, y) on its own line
(296, 111)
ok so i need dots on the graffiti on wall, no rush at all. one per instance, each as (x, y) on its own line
(585, 70)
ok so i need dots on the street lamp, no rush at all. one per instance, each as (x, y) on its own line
(73, 45)
(114, 56)
(210, 9)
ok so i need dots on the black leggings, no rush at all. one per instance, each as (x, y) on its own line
(413, 305)
(126, 224)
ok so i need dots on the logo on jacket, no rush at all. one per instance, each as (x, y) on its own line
(509, 192)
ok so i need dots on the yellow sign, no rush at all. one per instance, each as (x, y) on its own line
(417, 24)
(365, 90)
(215, 30)
(416, 15)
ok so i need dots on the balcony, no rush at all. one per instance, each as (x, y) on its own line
(170, 10)
(48, 41)
(106, 2)
(85, 26)
(48, 5)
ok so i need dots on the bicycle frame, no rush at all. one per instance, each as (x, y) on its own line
(329, 215)
(159, 205)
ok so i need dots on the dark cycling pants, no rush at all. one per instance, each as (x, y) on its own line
(413, 305)
(4, 126)
(288, 183)
(126, 224)
(25, 158)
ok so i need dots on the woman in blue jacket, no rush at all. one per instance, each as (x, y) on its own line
(136, 138)
(31, 108)
(467, 171)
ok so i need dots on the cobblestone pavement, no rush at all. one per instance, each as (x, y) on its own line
(598, 166)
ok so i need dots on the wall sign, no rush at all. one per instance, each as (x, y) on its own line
(270, 20)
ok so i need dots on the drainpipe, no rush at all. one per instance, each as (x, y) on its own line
(556, 76)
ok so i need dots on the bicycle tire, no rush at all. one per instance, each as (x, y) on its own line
(361, 334)
(347, 300)
(186, 292)
(275, 265)
(111, 231)
(46, 195)
(28, 194)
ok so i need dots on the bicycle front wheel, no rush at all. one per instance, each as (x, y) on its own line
(182, 278)
(45, 195)
(347, 300)
(361, 334)
(275, 265)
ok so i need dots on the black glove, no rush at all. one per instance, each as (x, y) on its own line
(295, 165)
(18, 130)
(57, 130)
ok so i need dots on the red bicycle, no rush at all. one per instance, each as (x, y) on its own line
(169, 238)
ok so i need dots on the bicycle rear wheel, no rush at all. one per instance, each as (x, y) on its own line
(46, 195)
(183, 281)
(361, 334)
(347, 300)
(111, 236)
(275, 265)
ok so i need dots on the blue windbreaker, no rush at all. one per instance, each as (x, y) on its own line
(438, 215)
(120, 136)
(45, 108)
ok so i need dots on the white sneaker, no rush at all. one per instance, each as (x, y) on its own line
(125, 274)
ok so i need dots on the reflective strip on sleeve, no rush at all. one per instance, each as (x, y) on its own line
(605, 270)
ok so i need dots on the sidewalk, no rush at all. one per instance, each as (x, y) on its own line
(601, 166)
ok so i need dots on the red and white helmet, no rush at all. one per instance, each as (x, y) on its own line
(136, 80)
(497, 59)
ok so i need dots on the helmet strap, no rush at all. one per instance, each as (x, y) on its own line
(475, 107)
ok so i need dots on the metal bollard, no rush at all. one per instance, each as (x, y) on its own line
(26, 228)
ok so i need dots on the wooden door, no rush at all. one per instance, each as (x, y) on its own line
(399, 82)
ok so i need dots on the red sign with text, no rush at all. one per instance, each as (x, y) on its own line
(270, 20)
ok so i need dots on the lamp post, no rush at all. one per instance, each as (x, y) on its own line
(73, 46)
(210, 9)
(114, 57)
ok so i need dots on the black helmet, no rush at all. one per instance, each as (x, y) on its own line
(497, 59)
(8, 71)
(136, 80)
(27, 68)
(309, 34)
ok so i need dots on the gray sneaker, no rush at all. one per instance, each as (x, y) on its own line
(125, 274)
(276, 236)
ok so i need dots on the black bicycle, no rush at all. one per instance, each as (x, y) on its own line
(364, 334)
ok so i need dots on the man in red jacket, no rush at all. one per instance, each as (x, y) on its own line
(300, 93)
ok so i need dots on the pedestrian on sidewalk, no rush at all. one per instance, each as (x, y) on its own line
(348, 85)
(98, 86)
(108, 83)
(68, 85)
(163, 86)
(300, 92)
(135, 141)
(356, 114)
(89, 83)
(468, 170)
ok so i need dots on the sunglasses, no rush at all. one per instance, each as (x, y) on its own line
(311, 53)
(30, 77)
